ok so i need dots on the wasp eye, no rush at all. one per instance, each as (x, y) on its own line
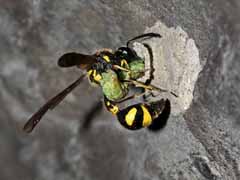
(122, 51)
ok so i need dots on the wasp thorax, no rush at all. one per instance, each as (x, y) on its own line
(112, 88)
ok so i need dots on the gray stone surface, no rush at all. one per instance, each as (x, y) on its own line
(176, 64)
(201, 143)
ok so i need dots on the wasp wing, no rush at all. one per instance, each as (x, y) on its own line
(76, 59)
(51, 104)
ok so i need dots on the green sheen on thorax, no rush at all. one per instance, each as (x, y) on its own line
(112, 88)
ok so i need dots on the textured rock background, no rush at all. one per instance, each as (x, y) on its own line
(202, 143)
(176, 64)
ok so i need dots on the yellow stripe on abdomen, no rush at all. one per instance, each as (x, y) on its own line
(147, 118)
(130, 116)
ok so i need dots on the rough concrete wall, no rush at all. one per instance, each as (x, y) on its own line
(201, 143)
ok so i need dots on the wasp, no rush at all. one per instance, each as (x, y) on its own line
(115, 72)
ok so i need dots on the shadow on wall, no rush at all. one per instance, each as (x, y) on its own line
(106, 157)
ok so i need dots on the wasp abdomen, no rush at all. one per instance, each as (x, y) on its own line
(141, 115)
(135, 117)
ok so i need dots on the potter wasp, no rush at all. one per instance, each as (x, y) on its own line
(115, 72)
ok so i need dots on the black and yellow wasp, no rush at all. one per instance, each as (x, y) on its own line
(115, 72)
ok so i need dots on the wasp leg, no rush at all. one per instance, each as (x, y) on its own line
(117, 67)
(149, 87)
(143, 36)
(146, 96)
(151, 76)
(152, 69)
(131, 97)
(143, 85)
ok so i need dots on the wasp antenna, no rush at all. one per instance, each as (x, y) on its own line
(147, 36)
(173, 94)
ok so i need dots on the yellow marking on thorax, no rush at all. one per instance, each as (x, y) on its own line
(147, 118)
(124, 63)
(130, 117)
(98, 77)
(94, 73)
(106, 58)
(90, 72)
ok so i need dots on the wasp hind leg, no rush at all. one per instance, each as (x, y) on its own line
(149, 87)
(151, 72)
